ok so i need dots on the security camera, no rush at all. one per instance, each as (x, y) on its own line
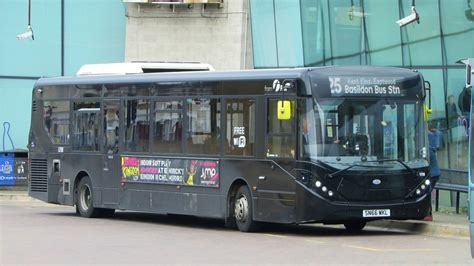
(358, 14)
(27, 34)
(409, 19)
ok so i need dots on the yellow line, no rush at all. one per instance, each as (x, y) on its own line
(410, 249)
(314, 241)
(279, 236)
(393, 249)
(363, 248)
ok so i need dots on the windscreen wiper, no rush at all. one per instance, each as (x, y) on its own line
(334, 174)
(398, 161)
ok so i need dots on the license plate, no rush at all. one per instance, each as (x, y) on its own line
(376, 213)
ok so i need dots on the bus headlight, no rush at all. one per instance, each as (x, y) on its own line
(427, 182)
(423, 186)
(324, 189)
(418, 192)
(318, 184)
(330, 193)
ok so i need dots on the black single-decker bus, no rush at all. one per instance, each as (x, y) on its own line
(328, 145)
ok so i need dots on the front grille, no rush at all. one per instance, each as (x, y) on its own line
(39, 175)
(360, 187)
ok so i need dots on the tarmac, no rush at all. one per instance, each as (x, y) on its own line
(446, 223)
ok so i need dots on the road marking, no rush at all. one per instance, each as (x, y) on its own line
(393, 249)
(314, 241)
(363, 248)
(279, 236)
(307, 240)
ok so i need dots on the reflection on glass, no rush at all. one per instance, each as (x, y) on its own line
(354, 130)
(204, 119)
(137, 125)
(56, 121)
(168, 126)
(86, 126)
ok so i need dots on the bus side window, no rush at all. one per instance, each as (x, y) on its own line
(86, 126)
(56, 121)
(240, 127)
(137, 125)
(111, 126)
(281, 133)
(204, 119)
(167, 126)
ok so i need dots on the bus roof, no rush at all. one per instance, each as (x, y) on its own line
(254, 74)
(175, 76)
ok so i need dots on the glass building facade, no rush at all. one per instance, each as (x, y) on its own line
(68, 34)
(293, 33)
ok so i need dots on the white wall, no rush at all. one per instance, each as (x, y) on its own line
(218, 36)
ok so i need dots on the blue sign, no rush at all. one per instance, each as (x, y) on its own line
(7, 172)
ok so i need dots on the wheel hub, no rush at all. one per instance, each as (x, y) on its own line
(85, 197)
(241, 208)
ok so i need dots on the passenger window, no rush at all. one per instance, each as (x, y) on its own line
(240, 127)
(281, 133)
(86, 126)
(137, 125)
(168, 126)
(204, 119)
(56, 121)
(111, 126)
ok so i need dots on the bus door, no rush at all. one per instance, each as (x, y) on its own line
(276, 189)
(110, 158)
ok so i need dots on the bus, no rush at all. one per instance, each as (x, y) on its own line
(333, 145)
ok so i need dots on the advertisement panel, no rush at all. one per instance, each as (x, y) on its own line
(7, 164)
(192, 172)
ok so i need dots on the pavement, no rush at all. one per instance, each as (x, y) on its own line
(446, 223)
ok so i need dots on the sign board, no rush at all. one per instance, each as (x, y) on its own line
(366, 86)
(7, 164)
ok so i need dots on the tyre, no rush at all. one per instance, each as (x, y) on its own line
(84, 199)
(355, 226)
(243, 210)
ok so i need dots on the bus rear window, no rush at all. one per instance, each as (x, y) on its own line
(56, 121)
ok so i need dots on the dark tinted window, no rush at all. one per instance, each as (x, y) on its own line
(168, 126)
(56, 121)
(204, 119)
(86, 126)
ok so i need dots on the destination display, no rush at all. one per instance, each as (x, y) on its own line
(366, 86)
(170, 171)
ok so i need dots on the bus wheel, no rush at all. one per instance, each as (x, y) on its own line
(354, 226)
(243, 210)
(84, 199)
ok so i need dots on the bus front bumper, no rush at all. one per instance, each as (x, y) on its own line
(311, 208)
